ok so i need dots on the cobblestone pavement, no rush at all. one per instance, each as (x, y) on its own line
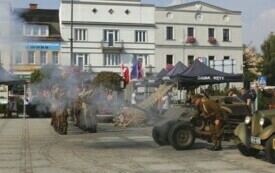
(30, 145)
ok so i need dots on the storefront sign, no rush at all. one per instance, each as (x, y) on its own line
(43, 45)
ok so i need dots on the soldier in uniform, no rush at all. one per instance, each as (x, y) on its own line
(84, 95)
(211, 111)
(77, 107)
(54, 106)
(63, 113)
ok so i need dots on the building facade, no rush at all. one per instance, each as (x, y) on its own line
(199, 30)
(107, 33)
(40, 41)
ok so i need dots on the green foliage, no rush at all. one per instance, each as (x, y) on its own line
(263, 101)
(268, 49)
(37, 76)
(247, 74)
(108, 80)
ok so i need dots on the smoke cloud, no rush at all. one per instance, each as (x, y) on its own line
(11, 34)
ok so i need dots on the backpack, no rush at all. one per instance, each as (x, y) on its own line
(252, 94)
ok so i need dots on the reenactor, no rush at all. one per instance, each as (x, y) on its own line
(54, 106)
(85, 96)
(63, 113)
(77, 107)
(211, 111)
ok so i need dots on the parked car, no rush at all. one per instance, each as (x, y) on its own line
(257, 133)
(181, 133)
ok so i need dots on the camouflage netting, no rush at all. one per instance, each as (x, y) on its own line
(136, 116)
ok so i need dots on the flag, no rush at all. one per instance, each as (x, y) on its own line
(122, 69)
(134, 72)
(127, 76)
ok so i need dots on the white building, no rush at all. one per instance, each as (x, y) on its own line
(200, 21)
(108, 32)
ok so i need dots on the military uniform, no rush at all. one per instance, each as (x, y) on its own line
(211, 111)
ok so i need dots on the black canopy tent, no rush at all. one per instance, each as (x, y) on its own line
(178, 69)
(162, 73)
(200, 74)
(8, 79)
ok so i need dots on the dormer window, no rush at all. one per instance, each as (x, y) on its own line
(36, 30)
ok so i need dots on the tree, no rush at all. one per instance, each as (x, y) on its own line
(108, 79)
(37, 76)
(268, 49)
(252, 62)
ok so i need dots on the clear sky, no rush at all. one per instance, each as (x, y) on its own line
(258, 16)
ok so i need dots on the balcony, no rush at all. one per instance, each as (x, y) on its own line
(112, 47)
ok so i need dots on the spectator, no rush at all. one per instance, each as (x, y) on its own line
(271, 96)
(245, 97)
(232, 93)
(133, 98)
(165, 103)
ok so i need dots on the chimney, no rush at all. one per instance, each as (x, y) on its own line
(33, 6)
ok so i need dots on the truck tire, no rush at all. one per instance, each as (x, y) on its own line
(181, 136)
(247, 151)
(269, 150)
(160, 131)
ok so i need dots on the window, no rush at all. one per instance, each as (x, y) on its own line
(142, 58)
(31, 57)
(80, 34)
(55, 57)
(44, 30)
(36, 30)
(86, 60)
(190, 32)
(111, 35)
(226, 57)
(226, 35)
(210, 59)
(211, 32)
(169, 59)
(28, 30)
(140, 36)
(18, 57)
(112, 60)
(169, 33)
(190, 59)
(43, 56)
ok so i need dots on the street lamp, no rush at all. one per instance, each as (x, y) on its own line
(71, 39)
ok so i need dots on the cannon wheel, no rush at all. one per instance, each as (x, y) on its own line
(247, 151)
(161, 130)
(156, 137)
(181, 136)
(270, 149)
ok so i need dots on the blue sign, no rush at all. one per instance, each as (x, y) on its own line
(262, 80)
(43, 45)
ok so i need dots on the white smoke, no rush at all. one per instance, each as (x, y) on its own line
(11, 33)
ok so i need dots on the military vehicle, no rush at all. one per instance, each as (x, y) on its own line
(257, 133)
(181, 132)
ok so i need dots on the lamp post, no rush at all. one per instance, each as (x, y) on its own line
(71, 39)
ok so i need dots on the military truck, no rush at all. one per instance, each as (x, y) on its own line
(181, 133)
(257, 133)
